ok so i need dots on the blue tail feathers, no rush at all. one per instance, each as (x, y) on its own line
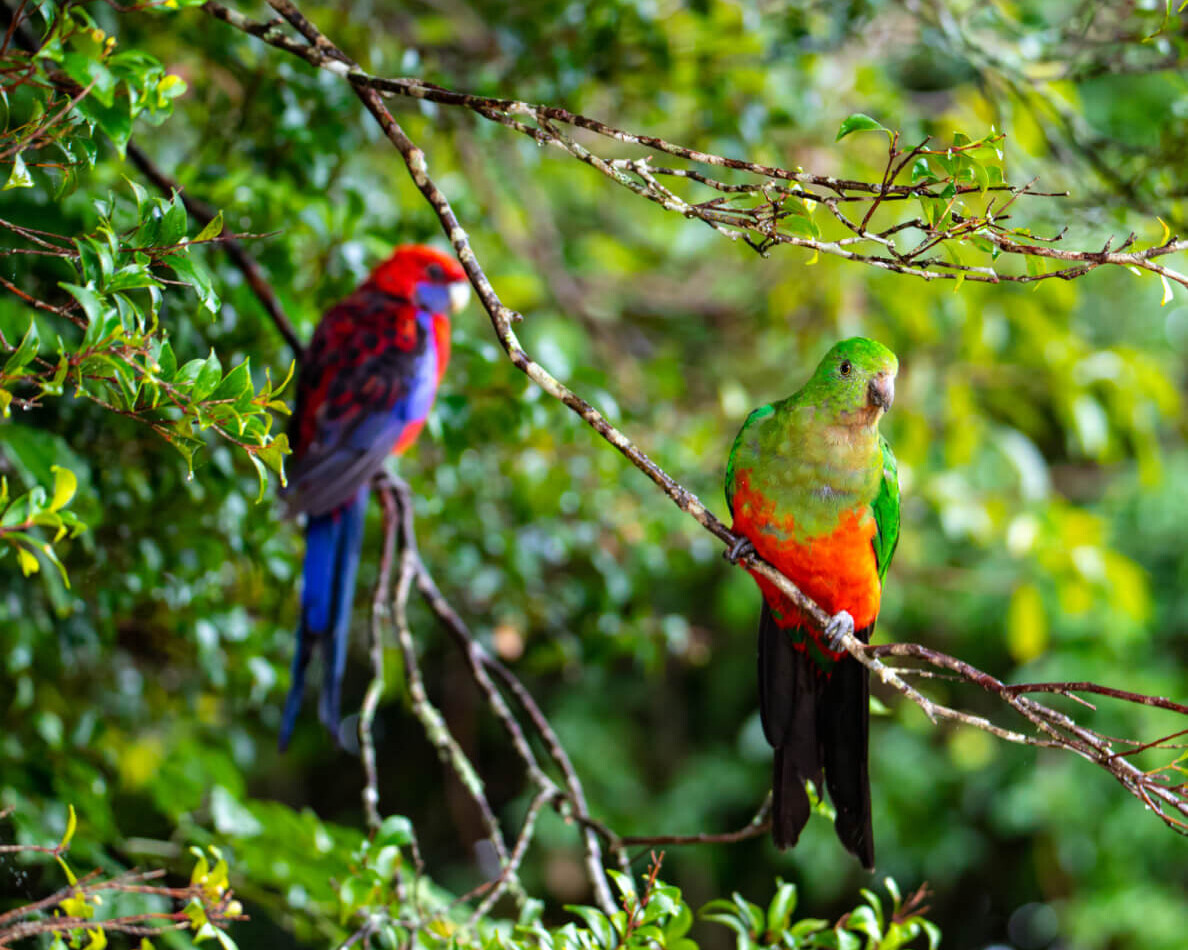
(332, 546)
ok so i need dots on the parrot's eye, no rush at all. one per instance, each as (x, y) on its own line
(435, 273)
(846, 367)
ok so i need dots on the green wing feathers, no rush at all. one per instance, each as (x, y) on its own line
(761, 413)
(886, 512)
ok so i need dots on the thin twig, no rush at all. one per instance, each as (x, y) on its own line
(204, 214)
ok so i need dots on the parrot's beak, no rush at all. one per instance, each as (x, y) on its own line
(881, 391)
(459, 295)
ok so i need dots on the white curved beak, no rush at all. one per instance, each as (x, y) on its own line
(459, 295)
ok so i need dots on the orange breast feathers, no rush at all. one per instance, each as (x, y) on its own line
(837, 570)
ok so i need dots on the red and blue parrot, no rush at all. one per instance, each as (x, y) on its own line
(367, 381)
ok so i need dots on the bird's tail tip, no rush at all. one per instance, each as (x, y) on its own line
(790, 802)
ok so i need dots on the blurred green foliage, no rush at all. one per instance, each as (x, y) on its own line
(1040, 435)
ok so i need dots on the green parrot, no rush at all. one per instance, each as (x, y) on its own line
(813, 490)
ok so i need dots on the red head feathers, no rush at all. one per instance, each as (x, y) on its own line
(412, 264)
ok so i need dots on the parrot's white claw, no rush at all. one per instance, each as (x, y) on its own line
(840, 626)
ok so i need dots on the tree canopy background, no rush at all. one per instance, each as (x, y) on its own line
(1039, 428)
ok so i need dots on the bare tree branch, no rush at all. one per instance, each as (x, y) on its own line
(217, 904)
(479, 662)
(204, 214)
(780, 209)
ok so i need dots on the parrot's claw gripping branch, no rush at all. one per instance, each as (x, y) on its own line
(739, 549)
(840, 626)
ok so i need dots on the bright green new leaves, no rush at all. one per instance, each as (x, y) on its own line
(14, 366)
(859, 122)
(867, 927)
(119, 86)
(32, 523)
(19, 177)
(183, 402)
(98, 94)
(82, 919)
(125, 361)
(212, 885)
(653, 915)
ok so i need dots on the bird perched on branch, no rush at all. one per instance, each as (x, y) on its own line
(367, 381)
(814, 491)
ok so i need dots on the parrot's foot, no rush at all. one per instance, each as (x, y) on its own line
(741, 548)
(840, 626)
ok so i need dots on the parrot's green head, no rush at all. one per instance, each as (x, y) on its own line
(855, 382)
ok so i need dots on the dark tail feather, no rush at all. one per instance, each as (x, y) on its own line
(789, 801)
(332, 546)
(789, 684)
(844, 725)
(815, 720)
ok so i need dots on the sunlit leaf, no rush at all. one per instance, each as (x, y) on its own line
(19, 177)
(858, 122)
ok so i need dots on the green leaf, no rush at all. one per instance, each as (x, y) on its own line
(351, 895)
(779, 912)
(89, 71)
(802, 227)
(921, 171)
(208, 378)
(167, 361)
(27, 561)
(749, 912)
(24, 352)
(92, 306)
(225, 940)
(71, 827)
(876, 905)
(858, 122)
(598, 924)
(235, 384)
(395, 830)
(1036, 265)
(139, 191)
(173, 223)
(169, 88)
(114, 121)
(196, 275)
(19, 177)
(678, 923)
(65, 485)
(623, 883)
(845, 940)
(808, 925)
(981, 175)
(862, 919)
(214, 227)
(273, 454)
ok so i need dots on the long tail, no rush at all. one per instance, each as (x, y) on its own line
(843, 724)
(332, 546)
(817, 721)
